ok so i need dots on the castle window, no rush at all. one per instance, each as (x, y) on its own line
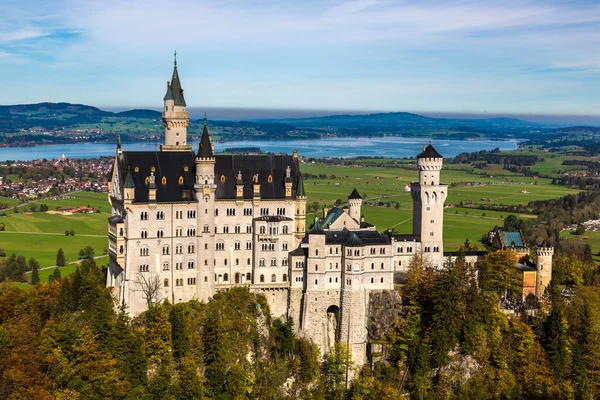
(220, 246)
(409, 249)
(273, 278)
(263, 230)
(144, 251)
(180, 180)
(237, 246)
(431, 233)
(160, 215)
(261, 263)
(191, 281)
(225, 229)
(166, 283)
(206, 228)
(285, 277)
(165, 250)
(147, 180)
(144, 268)
(400, 250)
(238, 229)
(262, 279)
(136, 169)
(144, 216)
(164, 180)
(185, 169)
(381, 280)
(152, 169)
(382, 266)
(159, 233)
(226, 278)
(237, 261)
(316, 282)
(248, 245)
(284, 246)
(269, 179)
(222, 178)
(179, 249)
(285, 229)
(191, 249)
(372, 265)
(248, 262)
(371, 280)
(316, 252)
(248, 277)
(206, 279)
(144, 234)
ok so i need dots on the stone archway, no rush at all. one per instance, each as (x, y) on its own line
(333, 324)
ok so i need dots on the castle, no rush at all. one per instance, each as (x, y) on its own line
(186, 224)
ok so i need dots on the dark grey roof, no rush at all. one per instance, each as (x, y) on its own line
(228, 166)
(129, 180)
(176, 90)
(169, 94)
(354, 195)
(168, 165)
(115, 268)
(340, 237)
(204, 147)
(429, 152)
(364, 225)
(115, 219)
(172, 165)
(300, 186)
(352, 240)
(299, 251)
(273, 218)
(478, 253)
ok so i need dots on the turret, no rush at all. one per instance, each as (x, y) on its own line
(129, 189)
(175, 117)
(354, 204)
(543, 266)
(428, 210)
(152, 188)
(288, 182)
(300, 216)
(205, 164)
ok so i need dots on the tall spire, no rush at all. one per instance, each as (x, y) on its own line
(176, 90)
(205, 147)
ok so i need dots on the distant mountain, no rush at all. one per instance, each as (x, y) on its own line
(150, 114)
(405, 120)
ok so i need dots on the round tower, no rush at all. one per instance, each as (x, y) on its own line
(175, 117)
(354, 204)
(428, 211)
(544, 268)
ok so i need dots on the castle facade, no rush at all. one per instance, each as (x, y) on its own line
(186, 224)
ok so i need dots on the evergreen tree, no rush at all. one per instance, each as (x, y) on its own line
(55, 275)
(555, 334)
(581, 349)
(178, 332)
(60, 258)
(35, 273)
(336, 366)
(446, 324)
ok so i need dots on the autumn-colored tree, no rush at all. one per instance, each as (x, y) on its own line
(498, 273)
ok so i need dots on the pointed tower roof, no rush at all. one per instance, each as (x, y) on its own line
(169, 94)
(300, 187)
(129, 181)
(204, 147)
(175, 87)
(352, 240)
(429, 152)
(354, 195)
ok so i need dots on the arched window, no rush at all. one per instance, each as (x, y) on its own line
(263, 230)
(136, 169)
(285, 277)
(269, 179)
(164, 180)
(166, 283)
(226, 278)
(248, 277)
(181, 180)
(186, 168)
(222, 178)
(237, 277)
(285, 229)
(273, 278)
(165, 266)
(262, 279)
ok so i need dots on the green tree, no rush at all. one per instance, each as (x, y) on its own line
(580, 230)
(498, 273)
(581, 350)
(178, 332)
(35, 273)
(336, 366)
(86, 252)
(15, 209)
(55, 275)
(554, 337)
(60, 258)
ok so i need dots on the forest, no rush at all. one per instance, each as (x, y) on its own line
(67, 340)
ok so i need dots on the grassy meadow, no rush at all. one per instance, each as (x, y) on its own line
(41, 234)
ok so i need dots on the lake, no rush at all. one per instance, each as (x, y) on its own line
(392, 147)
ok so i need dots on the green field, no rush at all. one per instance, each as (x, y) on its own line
(40, 235)
(385, 183)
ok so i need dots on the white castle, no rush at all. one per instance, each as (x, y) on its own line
(187, 224)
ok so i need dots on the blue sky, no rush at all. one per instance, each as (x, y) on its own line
(430, 55)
